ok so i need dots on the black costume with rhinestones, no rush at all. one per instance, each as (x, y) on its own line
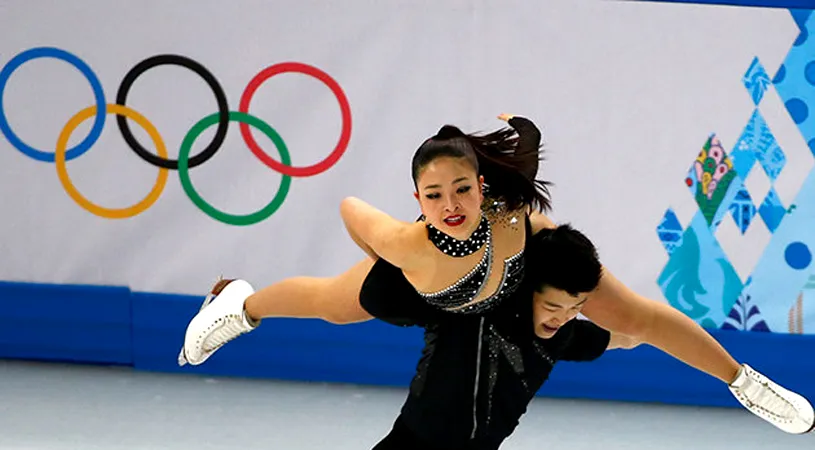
(478, 372)
(471, 284)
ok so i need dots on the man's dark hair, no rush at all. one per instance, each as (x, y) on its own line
(562, 258)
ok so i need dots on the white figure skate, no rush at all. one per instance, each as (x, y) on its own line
(220, 319)
(786, 410)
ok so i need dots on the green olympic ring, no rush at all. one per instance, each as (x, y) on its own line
(184, 174)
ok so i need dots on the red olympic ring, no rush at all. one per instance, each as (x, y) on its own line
(345, 108)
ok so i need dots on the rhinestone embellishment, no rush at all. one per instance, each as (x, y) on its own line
(454, 247)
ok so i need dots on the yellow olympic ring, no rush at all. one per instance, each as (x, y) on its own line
(62, 171)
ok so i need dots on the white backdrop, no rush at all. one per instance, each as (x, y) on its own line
(625, 93)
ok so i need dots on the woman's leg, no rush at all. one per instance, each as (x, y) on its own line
(235, 308)
(334, 299)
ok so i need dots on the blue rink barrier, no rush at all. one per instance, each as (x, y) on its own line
(115, 326)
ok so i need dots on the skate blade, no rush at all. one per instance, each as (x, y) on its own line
(182, 360)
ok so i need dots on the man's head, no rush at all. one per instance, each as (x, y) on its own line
(563, 267)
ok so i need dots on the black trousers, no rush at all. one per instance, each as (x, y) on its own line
(403, 438)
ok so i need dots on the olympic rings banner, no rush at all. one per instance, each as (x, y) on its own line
(185, 162)
(207, 139)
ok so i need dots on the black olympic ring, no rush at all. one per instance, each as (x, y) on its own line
(220, 97)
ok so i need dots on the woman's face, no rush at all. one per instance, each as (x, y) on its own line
(450, 196)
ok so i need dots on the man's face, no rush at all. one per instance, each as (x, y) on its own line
(552, 308)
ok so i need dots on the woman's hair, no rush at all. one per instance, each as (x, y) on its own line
(507, 159)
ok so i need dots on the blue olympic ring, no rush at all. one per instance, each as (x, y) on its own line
(98, 93)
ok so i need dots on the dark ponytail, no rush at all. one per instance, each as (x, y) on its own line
(508, 159)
